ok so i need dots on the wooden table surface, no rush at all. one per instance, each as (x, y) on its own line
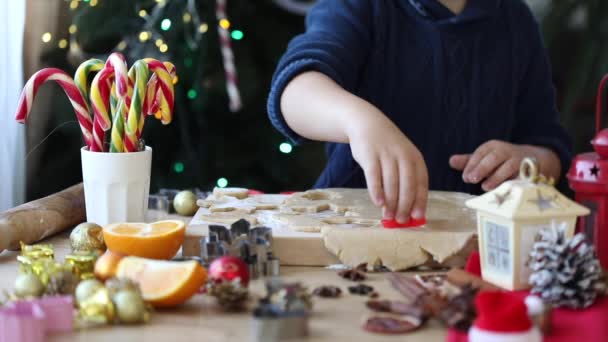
(200, 320)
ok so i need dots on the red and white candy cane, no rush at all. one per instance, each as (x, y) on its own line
(234, 97)
(154, 97)
(100, 99)
(118, 63)
(67, 83)
(165, 83)
(115, 68)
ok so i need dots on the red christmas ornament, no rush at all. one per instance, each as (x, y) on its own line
(228, 268)
(588, 177)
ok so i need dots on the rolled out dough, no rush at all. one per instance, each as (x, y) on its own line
(350, 225)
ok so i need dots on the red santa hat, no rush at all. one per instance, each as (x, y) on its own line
(502, 317)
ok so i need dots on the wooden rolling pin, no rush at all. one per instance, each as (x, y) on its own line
(36, 220)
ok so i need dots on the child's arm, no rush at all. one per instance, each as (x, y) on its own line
(312, 97)
(536, 132)
(317, 108)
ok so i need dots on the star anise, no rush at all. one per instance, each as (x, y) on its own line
(327, 291)
(352, 275)
(361, 289)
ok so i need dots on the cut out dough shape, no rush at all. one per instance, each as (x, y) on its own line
(300, 223)
(227, 217)
(239, 193)
(249, 204)
(211, 200)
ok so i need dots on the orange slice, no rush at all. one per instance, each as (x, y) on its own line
(158, 240)
(163, 283)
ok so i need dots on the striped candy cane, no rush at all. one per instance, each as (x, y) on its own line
(100, 98)
(139, 73)
(155, 102)
(67, 83)
(118, 63)
(234, 96)
(165, 83)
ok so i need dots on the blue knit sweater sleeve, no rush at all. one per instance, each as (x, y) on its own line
(336, 43)
(537, 116)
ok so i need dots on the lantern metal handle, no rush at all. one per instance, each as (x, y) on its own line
(529, 171)
(599, 104)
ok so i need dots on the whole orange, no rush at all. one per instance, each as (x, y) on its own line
(105, 266)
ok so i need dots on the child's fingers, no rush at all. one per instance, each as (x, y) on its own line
(390, 184)
(407, 190)
(419, 207)
(487, 165)
(503, 173)
(475, 159)
(459, 161)
(373, 177)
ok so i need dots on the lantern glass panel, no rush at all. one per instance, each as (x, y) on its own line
(589, 222)
(497, 247)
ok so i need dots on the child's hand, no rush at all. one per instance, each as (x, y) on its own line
(396, 174)
(497, 161)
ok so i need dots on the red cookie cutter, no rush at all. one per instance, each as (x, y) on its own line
(411, 223)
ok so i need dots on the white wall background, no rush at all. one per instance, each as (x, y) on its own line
(12, 135)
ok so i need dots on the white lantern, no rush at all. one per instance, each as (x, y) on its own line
(509, 218)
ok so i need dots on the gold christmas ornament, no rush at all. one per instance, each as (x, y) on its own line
(130, 307)
(116, 285)
(28, 285)
(83, 264)
(39, 251)
(185, 203)
(86, 289)
(97, 307)
(87, 237)
(62, 282)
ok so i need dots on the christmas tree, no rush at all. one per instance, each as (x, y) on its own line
(207, 144)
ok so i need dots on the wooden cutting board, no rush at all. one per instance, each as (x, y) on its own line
(345, 222)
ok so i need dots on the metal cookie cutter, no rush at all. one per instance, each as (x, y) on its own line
(252, 245)
(294, 325)
(283, 313)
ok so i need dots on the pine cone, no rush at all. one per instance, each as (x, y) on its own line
(61, 283)
(231, 295)
(565, 272)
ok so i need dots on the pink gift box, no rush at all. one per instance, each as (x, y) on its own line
(23, 322)
(58, 312)
(30, 320)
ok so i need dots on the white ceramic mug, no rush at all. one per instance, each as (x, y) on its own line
(116, 185)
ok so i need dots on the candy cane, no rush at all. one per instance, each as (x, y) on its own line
(165, 83)
(154, 93)
(81, 76)
(118, 62)
(69, 87)
(139, 73)
(100, 97)
(234, 96)
(118, 128)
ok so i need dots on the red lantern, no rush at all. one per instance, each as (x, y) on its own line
(588, 177)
